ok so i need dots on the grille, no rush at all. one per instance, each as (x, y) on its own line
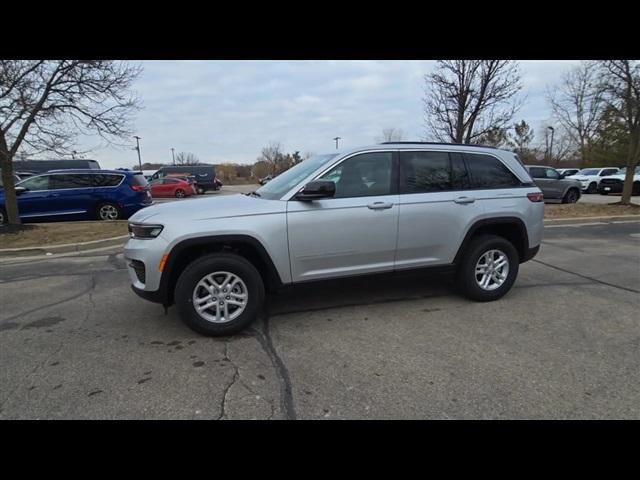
(610, 181)
(138, 267)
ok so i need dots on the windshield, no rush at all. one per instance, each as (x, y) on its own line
(276, 188)
(589, 171)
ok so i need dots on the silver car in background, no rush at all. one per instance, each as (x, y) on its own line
(554, 186)
(470, 210)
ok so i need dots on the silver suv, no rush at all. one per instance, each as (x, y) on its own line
(385, 208)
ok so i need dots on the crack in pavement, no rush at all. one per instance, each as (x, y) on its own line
(586, 277)
(236, 375)
(286, 395)
(49, 305)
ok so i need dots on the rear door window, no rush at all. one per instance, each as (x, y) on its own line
(488, 172)
(424, 172)
(65, 181)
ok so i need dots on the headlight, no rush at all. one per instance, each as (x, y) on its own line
(144, 231)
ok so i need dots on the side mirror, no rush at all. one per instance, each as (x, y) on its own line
(20, 190)
(316, 190)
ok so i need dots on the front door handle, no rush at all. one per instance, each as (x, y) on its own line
(465, 200)
(379, 205)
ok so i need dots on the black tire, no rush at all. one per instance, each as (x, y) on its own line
(592, 188)
(603, 193)
(635, 190)
(108, 212)
(179, 193)
(466, 277)
(200, 191)
(572, 196)
(208, 264)
(3, 217)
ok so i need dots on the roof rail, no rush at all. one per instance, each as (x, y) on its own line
(439, 143)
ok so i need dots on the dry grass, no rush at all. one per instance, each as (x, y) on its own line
(48, 234)
(588, 210)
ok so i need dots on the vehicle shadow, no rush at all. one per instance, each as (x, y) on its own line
(362, 290)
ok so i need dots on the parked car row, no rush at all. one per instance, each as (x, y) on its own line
(85, 194)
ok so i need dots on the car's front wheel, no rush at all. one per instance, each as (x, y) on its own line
(592, 188)
(219, 294)
(3, 216)
(488, 269)
(179, 193)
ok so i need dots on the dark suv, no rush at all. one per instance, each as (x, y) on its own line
(86, 194)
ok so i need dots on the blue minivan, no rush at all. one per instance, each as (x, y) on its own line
(87, 194)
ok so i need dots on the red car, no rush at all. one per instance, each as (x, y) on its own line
(171, 187)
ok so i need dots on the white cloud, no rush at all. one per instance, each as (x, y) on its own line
(228, 110)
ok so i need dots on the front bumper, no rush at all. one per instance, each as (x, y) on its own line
(143, 259)
(610, 187)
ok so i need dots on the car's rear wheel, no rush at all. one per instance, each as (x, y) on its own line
(3, 216)
(592, 188)
(109, 212)
(571, 196)
(219, 294)
(488, 268)
(179, 193)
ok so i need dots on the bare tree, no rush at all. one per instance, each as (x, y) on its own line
(187, 158)
(465, 99)
(273, 155)
(577, 104)
(390, 134)
(46, 104)
(622, 94)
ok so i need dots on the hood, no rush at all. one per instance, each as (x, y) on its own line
(207, 208)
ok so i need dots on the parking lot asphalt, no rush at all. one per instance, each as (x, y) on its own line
(76, 343)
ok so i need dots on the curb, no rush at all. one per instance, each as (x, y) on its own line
(65, 248)
(603, 219)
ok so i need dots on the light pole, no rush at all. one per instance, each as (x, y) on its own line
(173, 156)
(551, 145)
(138, 149)
(336, 139)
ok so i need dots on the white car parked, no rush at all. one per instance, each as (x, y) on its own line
(590, 178)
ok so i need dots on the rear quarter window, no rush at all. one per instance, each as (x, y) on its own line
(138, 179)
(488, 172)
(107, 180)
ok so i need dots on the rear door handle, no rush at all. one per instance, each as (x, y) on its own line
(379, 205)
(465, 200)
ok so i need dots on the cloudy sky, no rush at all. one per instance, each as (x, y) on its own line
(226, 111)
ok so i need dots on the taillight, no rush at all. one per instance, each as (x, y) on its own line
(138, 188)
(535, 196)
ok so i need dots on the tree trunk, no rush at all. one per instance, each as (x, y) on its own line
(10, 199)
(632, 162)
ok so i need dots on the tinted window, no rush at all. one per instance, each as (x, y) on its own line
(36, 183)
(608, 171)
(424, 172)
(70, 181)
(489, 172)
(362, 176)
(106, 180)
(459, 174)
(138, 179)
